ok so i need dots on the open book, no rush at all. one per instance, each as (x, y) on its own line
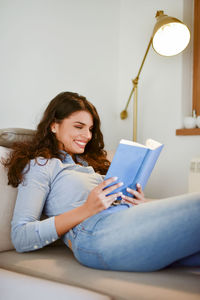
(133, 163)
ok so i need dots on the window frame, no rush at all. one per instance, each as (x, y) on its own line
(196, 71)
(196, 58)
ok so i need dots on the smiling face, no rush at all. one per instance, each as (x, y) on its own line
(73, 133)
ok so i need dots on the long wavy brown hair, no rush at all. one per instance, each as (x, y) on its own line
(45, 144)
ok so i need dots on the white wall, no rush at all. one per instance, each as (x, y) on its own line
(95, 48)
(165, 92)
(49, 46)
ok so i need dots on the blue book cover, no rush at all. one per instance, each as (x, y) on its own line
(133, 163)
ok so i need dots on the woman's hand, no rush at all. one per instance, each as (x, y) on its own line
(97, 199)
(138, 196)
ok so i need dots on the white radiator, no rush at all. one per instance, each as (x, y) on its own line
(194, 175)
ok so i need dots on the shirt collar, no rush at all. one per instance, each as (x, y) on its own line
(66, 158)
(69, 160)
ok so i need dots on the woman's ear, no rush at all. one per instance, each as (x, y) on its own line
(53, 127)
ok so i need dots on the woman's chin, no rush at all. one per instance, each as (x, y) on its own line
(79, 151)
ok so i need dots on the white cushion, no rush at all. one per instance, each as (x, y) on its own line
(7, 202)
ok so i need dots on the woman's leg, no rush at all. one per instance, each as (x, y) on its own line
(190, 261)
(146, 237)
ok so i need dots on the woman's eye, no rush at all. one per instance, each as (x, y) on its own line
(78, 127)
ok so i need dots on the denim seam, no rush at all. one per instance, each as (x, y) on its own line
(92, 231)
(95, 253)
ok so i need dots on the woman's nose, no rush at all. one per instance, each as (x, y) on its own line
(88, 134)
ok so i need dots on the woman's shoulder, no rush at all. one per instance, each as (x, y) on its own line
(42, 168)
(45, 163)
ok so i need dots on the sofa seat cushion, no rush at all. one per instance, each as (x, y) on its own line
(58, 264)
(20, 287)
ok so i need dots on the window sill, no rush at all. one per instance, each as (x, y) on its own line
(184, 131)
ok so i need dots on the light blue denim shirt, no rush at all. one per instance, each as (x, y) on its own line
(52, 187)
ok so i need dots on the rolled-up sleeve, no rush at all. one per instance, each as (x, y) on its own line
(28, 233)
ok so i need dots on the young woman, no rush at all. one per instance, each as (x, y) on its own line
(60, 173)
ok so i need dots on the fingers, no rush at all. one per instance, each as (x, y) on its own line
(139, 188)
(114, 197)
(110, 199)
(107, 182)
(131, 200)
(113, 187)
(98, 199)
(138, 196)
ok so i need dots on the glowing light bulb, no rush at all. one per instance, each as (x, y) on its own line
(171, 39)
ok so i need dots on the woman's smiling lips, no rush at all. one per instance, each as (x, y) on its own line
(81, 144)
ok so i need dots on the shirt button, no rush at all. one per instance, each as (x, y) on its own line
(36, 247)
(47, 242)
(53, 240)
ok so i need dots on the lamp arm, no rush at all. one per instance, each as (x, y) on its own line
(135, 81)
(129, 98)
(144, 58)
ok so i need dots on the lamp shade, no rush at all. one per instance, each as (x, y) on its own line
(170, 35)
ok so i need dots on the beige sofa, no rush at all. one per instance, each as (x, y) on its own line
(53, 272)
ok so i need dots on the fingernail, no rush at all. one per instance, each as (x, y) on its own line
(121, 183)
(115, 178)
(138, 184)
(128, 189)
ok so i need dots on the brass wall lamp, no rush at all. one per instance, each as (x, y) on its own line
(170, 37)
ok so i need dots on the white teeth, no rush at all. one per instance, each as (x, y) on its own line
(80, 143)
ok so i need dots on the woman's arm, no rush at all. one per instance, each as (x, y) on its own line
(96, 202)
(28, 232)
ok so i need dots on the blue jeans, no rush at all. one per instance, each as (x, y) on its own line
(146, 237)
